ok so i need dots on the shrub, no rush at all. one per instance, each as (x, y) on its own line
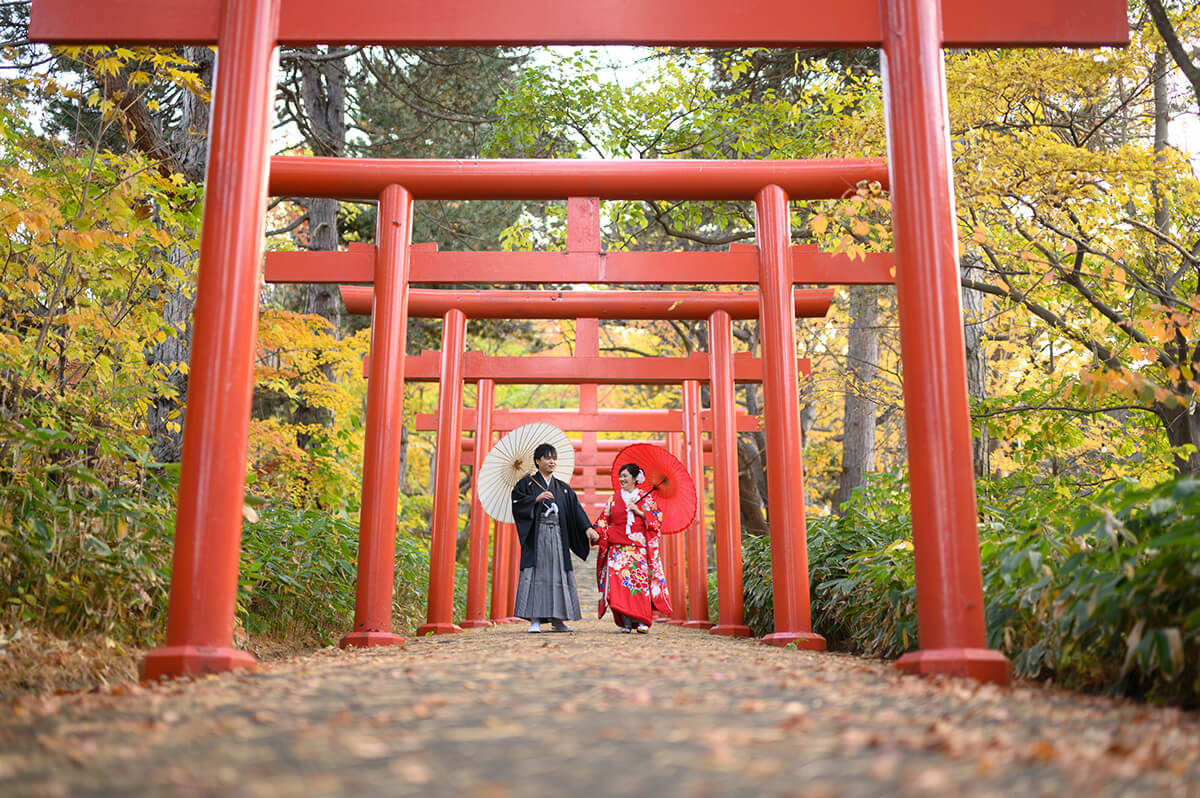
(1099, 593)
(79, 556)
(299, 572)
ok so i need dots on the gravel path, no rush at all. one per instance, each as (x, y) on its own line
(499, 712)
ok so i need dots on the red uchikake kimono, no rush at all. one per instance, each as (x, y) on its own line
(629, 571)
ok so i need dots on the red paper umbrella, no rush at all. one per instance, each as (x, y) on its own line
(672, 486)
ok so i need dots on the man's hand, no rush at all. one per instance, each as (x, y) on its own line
(593, 536)
(543, 496)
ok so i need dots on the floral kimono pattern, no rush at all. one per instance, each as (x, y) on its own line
(629, 571)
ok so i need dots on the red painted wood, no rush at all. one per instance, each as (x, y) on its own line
(208, 523)
(676, 566)
(847, 23)
(513, 564)
(583, 224)
(697, 532)
(606, 446)
(674, 179)
(498, 600)
(737, 267)
(552, 370)
(385, 423)
(727, 521)
(494, 304)
(785, 452)
(950, 606)
(440, 607)
(477, 552)
(572, 420)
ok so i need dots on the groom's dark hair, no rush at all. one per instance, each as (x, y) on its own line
(544, 450)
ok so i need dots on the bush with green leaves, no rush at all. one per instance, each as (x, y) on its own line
(1098, 593)
(80, 554)
(1128, 597)
(298, 576)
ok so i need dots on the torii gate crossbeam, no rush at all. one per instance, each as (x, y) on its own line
(785, 23)
(738, 266)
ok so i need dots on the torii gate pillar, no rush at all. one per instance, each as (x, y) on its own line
(208, 525)
(385, 423)
(675, 552)
(697, 545)
(477, 555)
(445, 484)
(727, 526)
(950, 608)
(785, 463)
(498, 609)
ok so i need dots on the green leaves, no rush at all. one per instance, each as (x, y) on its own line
(1099, 595)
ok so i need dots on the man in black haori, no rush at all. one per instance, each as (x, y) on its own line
(550, 525)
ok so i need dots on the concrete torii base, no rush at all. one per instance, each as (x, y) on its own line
(370, 640)
(980, 664)
(172, 661)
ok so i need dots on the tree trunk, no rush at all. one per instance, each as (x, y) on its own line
(189, 141)
(323, 88)
(750, 504)
(755, 449)
(321, 299)
(1183, 427)
(858, 439)
(973, 328)
(1162, 123)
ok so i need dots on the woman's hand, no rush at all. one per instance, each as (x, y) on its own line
(593, 536)
(543, 496)
(638, 511)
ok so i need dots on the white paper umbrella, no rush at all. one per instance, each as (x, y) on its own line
(512, 458)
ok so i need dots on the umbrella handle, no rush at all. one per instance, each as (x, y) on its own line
(653, 488)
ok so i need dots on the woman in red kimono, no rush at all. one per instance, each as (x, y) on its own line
(629, 572)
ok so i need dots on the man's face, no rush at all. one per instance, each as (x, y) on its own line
(546, 463)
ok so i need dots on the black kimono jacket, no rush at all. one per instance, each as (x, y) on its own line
(573, 522)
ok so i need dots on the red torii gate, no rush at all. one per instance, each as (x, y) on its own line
(910, 33)
(657, 370)
(583, 234)
(373, 604)
(587, 370)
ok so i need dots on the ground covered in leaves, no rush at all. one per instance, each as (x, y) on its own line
(499, 712)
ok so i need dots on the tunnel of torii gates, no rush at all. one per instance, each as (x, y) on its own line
(910, 35)
(719, 367)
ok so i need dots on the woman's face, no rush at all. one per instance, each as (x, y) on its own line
(626, 480)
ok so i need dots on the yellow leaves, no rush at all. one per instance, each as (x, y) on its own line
(73, 240)
(853, 251)
(1130, 385)
(108, 66)
(819, 223)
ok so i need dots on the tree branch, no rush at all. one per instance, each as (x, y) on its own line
(1059, 409)
(299, 221)
(1054, 320)
(1167, 31)
(660, 216)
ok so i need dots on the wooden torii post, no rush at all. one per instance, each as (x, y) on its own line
(910, 33)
